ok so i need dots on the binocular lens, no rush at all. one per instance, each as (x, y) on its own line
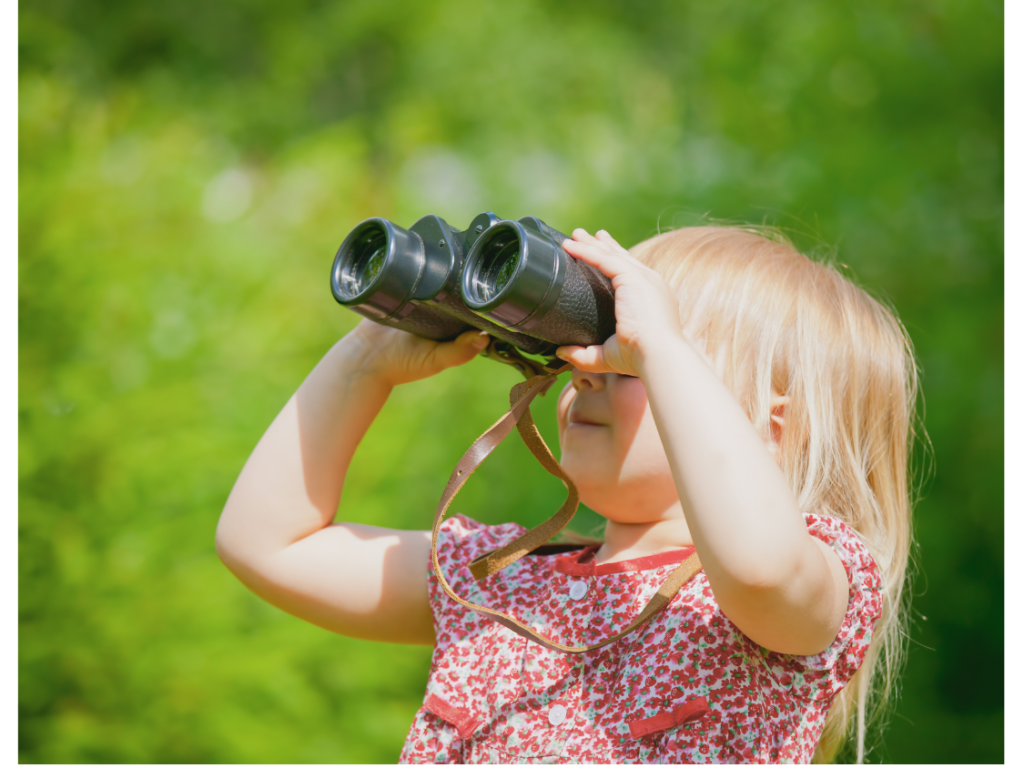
(366, 258)
(497, 265)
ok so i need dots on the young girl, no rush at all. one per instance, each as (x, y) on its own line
(752, 405)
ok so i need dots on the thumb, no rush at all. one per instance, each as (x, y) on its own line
(590, 359)
(461, 350)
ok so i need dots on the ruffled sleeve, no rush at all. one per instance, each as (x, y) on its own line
(823, 675)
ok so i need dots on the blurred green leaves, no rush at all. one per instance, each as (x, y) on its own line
(186, 173)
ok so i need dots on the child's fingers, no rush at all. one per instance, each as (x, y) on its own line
(581, 235)
(590, 359)
(609, 263)
(612, 243)
(604, 237)
(601, 237)
(463, 349)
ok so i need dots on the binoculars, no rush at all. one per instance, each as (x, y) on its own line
(511, 279)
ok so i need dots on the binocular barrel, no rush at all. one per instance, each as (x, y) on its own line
(518, 274)
(511, 279)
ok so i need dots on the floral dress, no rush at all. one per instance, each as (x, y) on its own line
(688, 687)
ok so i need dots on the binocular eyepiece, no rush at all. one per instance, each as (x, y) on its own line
(511, 279)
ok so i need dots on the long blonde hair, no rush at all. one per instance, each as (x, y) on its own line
(784, 321)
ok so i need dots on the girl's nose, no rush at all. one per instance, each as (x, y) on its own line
(585, 380)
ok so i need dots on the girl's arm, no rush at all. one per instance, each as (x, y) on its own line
(276, 532)
(783, 588)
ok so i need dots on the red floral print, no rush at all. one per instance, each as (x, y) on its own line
(688, 687)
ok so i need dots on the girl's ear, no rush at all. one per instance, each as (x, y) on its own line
(777, 420)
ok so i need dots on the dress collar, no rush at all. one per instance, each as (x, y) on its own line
(582, 563)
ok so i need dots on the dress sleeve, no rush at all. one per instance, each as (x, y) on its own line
(459, 541)
(824, 674)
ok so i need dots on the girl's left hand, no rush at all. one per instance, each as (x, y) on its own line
(646, 308)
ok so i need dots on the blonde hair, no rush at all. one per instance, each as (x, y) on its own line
(782, 321)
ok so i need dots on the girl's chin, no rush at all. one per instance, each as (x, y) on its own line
(586, 467)
(595, 490)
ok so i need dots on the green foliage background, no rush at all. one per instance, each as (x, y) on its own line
(187, 170)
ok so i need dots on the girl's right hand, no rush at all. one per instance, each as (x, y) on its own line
(398, 357)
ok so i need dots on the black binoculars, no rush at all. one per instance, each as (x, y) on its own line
(511, 279)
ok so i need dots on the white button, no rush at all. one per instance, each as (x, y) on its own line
(578, 590)
(557, 715)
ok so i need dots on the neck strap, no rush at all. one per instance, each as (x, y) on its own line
(519, 416)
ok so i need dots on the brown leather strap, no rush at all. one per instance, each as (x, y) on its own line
(486, 565)
(491, 563)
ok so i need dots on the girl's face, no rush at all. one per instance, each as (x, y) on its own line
(612, 450)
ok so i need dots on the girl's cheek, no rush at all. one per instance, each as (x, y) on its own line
(636, 433)
(565, 399)
(630, 403)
